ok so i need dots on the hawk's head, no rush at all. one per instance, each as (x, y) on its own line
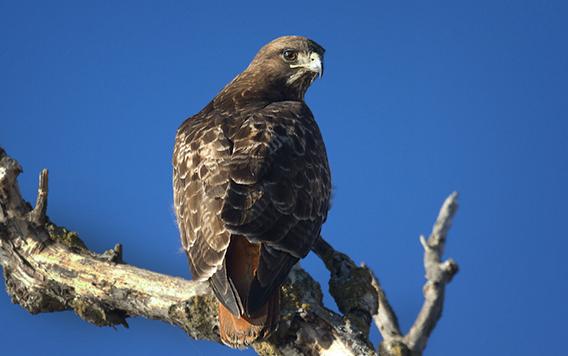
(287, 66)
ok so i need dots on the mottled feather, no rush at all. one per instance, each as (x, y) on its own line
(252, 167)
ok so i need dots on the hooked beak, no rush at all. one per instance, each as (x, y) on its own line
(312, 63)
(315, 65)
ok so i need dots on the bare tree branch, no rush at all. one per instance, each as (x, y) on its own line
(385, 319)
(350, 286)
(48, 268)
(37, 215)
(438, 274)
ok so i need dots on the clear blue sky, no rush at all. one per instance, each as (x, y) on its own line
(418, 99)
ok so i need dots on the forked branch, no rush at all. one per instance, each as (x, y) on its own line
(48, 268)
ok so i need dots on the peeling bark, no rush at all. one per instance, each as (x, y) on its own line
(48, 268)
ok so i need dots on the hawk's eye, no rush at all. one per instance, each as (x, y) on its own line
(290, 55)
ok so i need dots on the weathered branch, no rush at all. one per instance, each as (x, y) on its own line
(37, 215)
(48, 268)
(385, 319)
(438, 274)
(350, 286)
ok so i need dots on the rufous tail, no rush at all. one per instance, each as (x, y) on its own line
(242, 331)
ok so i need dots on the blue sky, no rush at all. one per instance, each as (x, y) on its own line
(418, 99)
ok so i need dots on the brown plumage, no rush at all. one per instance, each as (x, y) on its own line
(252, 186)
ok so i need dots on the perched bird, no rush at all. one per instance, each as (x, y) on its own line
(252, 186)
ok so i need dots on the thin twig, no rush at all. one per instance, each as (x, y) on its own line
(385, 319)
(438, 274)
(37, 215)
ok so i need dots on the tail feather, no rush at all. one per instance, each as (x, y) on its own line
(242, 331)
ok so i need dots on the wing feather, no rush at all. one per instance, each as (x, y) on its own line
(199, 185)
(279, 191)
(263, 176)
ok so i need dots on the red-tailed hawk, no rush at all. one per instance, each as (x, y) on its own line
(252, 185)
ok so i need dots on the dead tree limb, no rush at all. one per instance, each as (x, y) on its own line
(48, 268)
(438, 274)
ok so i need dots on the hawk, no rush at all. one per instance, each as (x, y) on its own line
(252, 186)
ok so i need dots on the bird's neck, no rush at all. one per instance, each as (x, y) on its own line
(252, 89)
